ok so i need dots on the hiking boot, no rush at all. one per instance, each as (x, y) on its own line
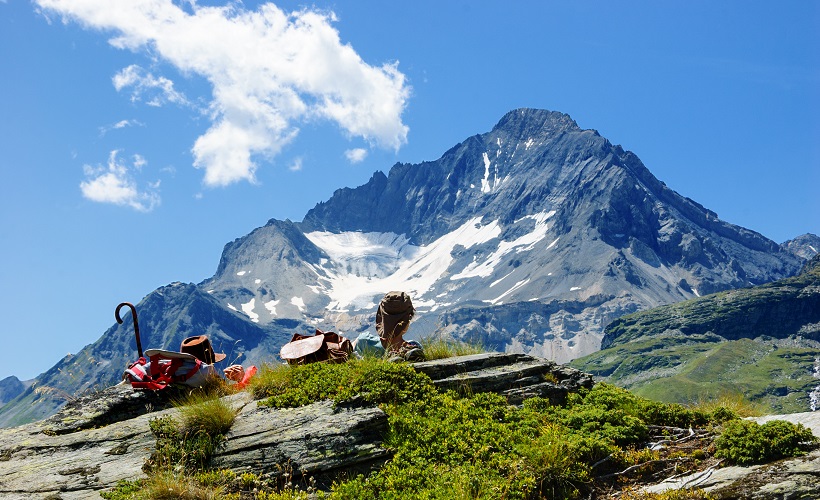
(415, 354)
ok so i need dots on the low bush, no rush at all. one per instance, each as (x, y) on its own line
(375, 380)
(745, 442)
(192, 441)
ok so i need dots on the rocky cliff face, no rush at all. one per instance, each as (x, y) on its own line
(529, 238)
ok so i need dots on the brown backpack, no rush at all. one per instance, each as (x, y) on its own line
(322, 346)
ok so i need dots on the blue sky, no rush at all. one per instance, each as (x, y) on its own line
(138, 137)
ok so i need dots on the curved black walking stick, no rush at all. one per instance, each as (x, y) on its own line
(136, 324)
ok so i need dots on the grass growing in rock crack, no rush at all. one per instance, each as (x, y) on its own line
(190, 439)
(437, 347)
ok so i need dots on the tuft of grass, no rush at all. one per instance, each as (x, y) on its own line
(170, 486)
(436, 347)
(733, 402)
(204, 413)
(191, 441)
(165, 485)
(684, 494)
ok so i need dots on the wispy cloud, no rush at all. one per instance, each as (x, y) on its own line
(269, 71)
(120, 125)
(153, 90)
(356, 155)
(115, 183)
(296, 166)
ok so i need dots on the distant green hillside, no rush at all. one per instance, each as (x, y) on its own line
(761, 342)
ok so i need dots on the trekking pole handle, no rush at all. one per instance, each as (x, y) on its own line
(136, 324)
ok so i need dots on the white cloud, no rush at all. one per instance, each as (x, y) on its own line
(154, 90)
(269, 71)
(356, 155)
(120, 125)
(115, 184)
(296, 166)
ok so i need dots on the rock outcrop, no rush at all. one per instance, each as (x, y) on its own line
(96, 441)
(102, 438)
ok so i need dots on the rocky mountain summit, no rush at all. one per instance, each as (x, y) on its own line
(10, 388)
(529, 238)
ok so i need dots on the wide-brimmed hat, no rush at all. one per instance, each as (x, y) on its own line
(200, 346)
(394, 315)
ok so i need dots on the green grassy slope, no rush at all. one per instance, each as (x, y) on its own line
(761, 343)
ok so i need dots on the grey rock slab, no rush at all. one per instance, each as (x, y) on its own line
(515, 376)
(319, 440)
(77, 465)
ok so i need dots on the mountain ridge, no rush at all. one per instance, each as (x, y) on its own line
(761, 342)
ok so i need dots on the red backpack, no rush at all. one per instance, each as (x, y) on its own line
(161, 369)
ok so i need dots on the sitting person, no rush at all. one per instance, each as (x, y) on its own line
(200, 347)
(392, 321)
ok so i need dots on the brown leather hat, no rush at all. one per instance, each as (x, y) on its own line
(200, 346)
(394, 315)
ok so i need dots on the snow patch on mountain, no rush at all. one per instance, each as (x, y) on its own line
(374, 255)
(523, 243)
(271, 306)
(485, 182)
(299, 303)
(394, 264)
(364, 265)
(515, 287)
(248, 307)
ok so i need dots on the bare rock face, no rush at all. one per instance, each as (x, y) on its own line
(320, 440)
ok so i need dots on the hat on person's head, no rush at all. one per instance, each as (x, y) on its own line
(200, 346)
(394, 315)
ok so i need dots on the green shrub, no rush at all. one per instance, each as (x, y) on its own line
(673, 414)
(375, 380)
(745, 442)
(124, 490)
